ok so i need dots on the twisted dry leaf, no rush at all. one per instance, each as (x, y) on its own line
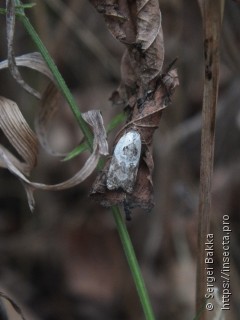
(10, 27)
(50, 100)
(140, 31)
(148, 22)
(145, 123)
(49, 105)
(13, 304)
(19, 134)
(33, 61)
(144, 90)
(23, 139)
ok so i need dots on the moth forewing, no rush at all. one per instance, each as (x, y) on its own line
(123, 168)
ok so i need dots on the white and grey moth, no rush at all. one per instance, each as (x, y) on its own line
(123, 168)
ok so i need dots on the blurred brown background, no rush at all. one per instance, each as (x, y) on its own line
(65, 261)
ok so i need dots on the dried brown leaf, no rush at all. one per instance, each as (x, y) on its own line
(143, 89)
(148, 64)
(100, 147)
(49, 105)
(148, 22)
(10, 26)
(50, 101)
(144, 120)
(19, 135)
(95, 120)
(142, 34)
(33, 61)
(24, 167)
(13, 304)
(117, 15)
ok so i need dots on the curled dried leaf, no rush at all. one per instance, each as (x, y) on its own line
(142, 34)
(32, 61)
(19, 134)
(117, 15)
(140, 31)
(148, 22)
(13, 304)
(49, 105)
(100, 147)
(145, 121)
(10, 27)
(144, 90)
(95, 120)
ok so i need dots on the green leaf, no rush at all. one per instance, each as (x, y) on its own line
(75, 152)
(117, 120)
(19, 8)
(3, 11)
(26, 5)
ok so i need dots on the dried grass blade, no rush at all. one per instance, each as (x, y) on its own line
(32, 61)
(100, 147)
(22, 166)
(95, 120)
(10, 26)
(49, 105)
(13, 304)
(19, 134)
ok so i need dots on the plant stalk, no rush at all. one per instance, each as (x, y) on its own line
(211, 12)
(133, 264)
(121, 227)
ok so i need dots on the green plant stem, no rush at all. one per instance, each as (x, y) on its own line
(121, 227)
(133, 264)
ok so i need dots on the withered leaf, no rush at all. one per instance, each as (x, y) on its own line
(13, 304)
(49, 105)
(32, 61)
(10, 27)
(19, 134)
(148, 64)
(145, 122)
(144, 90)
(148, 22)
(142, 34)
(24, 144)
(117, 15)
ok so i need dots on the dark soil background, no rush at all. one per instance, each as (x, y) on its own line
(65, 261)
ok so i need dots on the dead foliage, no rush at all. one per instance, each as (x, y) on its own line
(144, 91)
(19, 133)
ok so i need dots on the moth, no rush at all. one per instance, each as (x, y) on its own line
(123, 167)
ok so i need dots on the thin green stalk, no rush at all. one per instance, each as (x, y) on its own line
(133, 264)
(121, 227)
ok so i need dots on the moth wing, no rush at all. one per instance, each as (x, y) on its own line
(123, 168)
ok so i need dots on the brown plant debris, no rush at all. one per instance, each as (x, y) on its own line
(10, 27)
(32, 61)
(144, 91)
(25, 142)
(21, 136)
(13, 304)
